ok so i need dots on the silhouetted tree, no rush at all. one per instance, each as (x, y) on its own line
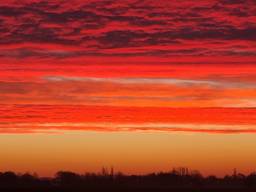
(251, 179)
(67, 178)
(8, 178)
(182, 180)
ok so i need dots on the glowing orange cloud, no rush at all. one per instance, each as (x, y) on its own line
(58, 119)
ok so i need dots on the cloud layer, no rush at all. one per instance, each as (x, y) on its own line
(64, 29)
(66, 118)
(128, 54)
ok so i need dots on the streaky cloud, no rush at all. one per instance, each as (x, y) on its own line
(154, 80)
(62, 127)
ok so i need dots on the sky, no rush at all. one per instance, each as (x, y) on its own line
(140, 85)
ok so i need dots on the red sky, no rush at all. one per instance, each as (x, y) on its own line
(128, 67)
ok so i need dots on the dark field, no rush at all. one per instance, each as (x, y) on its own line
(180, 181)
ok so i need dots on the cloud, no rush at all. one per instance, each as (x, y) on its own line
(141, 80)
(19, 128)
(127, 53)
(154, 81)
(67, 118)
(101, 28)
(131, 91)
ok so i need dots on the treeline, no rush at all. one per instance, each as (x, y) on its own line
(178, 180)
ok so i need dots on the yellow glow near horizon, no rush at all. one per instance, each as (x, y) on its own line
(127, 152)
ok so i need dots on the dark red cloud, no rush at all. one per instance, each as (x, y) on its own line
(54, 29)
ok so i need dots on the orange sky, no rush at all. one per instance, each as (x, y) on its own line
(128, 152)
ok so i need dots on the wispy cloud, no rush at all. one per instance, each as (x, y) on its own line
(131, 91)
(18, 119)
(155, 80)
(63, 127)
(172, 81)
